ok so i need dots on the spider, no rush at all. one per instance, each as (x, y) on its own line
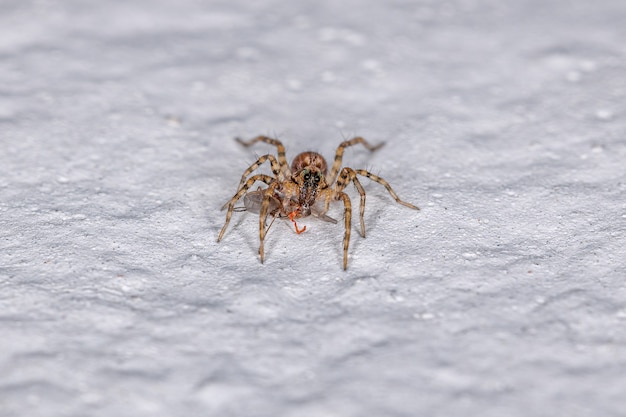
(306, 188)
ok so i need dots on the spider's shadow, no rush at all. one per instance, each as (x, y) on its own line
(247, 229)
(374, 207)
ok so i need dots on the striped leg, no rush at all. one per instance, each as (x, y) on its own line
(347, 215)
(273, 162)
(347, 175)
(387, 186)
(339, 155)
(280, 148)
(231, 203)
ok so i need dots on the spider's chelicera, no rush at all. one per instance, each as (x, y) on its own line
(306, 188)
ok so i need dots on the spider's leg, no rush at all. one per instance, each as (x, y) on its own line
(280, 149)
(321, 207)
(325, 197)
(273, 162)
(339, 155)
(265, 205)
(387, 186)
(246, 186)
(347, 175)
(347, 221)
(231, 203)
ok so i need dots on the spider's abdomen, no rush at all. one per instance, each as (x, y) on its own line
(309, 160)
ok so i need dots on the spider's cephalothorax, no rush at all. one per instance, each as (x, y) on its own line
(308, 172)
(306, 188)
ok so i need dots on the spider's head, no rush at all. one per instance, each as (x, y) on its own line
(309, 172)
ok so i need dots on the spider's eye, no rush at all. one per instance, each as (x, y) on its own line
(307, 175)
(317, 178)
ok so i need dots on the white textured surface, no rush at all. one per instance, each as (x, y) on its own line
(504, 121)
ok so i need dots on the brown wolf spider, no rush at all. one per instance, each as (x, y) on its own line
(303, 189)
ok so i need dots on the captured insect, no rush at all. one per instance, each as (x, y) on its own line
(303, 189)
